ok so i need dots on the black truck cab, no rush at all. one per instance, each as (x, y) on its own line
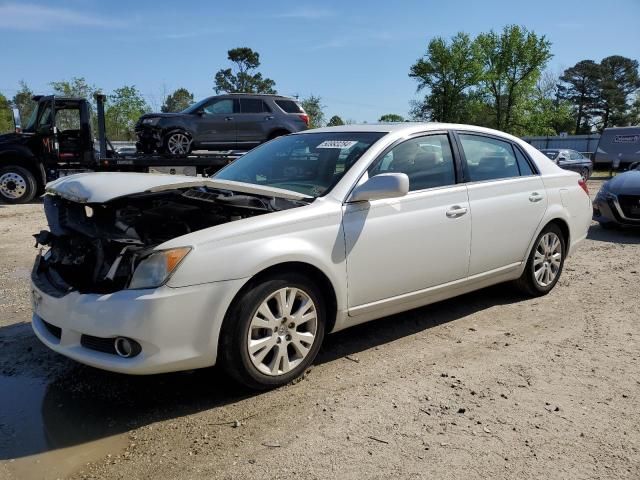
(56, 136)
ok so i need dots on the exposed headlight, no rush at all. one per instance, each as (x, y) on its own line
(150, 121)
(156, 269)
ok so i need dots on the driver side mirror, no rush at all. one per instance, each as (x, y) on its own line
(16, 121)
(385, 185)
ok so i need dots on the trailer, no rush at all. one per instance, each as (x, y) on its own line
(57, 141)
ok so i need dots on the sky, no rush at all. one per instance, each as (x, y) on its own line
(355, 55)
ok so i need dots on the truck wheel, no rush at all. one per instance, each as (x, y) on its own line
(17, 184)
(177, 143)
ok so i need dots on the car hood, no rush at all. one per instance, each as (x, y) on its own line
(627, 183)
(105, 186)
(162, 115)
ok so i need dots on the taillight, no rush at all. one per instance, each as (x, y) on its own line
(304, 118)
(583, 184)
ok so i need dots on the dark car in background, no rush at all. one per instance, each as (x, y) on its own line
(618, 201)
(223, 122)
(570, 160)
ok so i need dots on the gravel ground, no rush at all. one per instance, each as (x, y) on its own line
(487, 385)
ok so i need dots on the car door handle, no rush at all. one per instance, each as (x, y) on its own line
(456, 211)
(268, 118)
(228, 119)
(535, 197)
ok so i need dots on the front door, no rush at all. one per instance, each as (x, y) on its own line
(402, 245)
(508, 201)
(216, 127)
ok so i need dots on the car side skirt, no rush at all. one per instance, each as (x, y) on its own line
(408, 301)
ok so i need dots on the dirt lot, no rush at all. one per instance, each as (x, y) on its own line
(488, 385)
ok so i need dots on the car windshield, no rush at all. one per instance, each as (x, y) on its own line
(307, 163)
(552, 154)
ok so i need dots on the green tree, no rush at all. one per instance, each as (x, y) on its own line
(23, 101)
(391, 118)
(123, 109)
(335, 121)
(6, 116)
(244, 80)
(581, 87)
(512, 61)
(619, 80)
(177, 101)
(446, 71)
(312, 105)
(544, 112)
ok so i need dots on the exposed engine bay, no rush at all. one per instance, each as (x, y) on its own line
(95, 248)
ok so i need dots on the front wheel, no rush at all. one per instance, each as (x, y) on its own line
(273, 332)
(177, 143)
(17, 184)
(545, 263)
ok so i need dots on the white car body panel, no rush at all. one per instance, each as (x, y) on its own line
(380, 257)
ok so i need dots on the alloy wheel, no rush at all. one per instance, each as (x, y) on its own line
(547, 259)
(12, 185)
(178, 144)
(282, 331)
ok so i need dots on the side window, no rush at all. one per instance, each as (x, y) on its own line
(45, 117)
(488, 158)
(427, 161)
(523, 163)
(68, 119)
(217, 107)
(251, 105)
(575, 156)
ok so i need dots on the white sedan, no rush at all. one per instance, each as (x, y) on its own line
(307, 234)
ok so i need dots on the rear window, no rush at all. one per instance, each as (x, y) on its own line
(552, 154)
(289, 106)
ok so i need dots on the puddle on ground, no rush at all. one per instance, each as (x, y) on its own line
(51, 429)
(44, 434)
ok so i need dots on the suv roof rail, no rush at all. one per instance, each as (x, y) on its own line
(258, 95)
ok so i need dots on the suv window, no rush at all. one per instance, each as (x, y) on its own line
(221, 106)
(488, 158)
(427, 161)
(289, 106)
(253, 105)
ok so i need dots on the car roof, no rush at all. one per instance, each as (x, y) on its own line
(409, 128)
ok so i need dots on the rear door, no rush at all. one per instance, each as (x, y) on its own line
(216, 126)
(507, 199)
(252, 122)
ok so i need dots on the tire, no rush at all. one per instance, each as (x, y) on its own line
(177, 143)
(288, 348)
(533, 282)
(584, 173)
(609, 225)
(17, 184)
(277, 133)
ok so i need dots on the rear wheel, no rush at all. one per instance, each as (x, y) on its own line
(273, 332)
(177, 143)
(17, 184)
(584, 173)
(545, 263)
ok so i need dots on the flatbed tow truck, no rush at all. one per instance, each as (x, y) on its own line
(57, 141)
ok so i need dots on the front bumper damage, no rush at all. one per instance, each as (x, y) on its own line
(177, 328)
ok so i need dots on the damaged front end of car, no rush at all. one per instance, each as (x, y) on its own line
(113, 245)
